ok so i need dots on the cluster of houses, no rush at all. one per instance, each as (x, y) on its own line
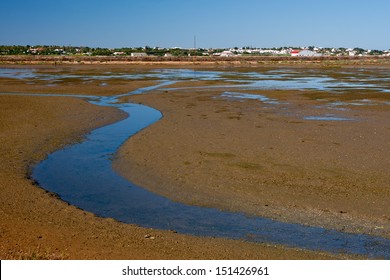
(275, 52)
(210, 52)
(231, 52)
(302, 52)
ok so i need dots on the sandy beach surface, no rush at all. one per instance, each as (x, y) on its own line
(194, 143)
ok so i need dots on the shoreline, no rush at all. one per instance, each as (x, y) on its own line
(254, 61)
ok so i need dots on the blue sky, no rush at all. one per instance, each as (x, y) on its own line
(216, 23)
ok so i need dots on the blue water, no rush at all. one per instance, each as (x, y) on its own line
(377, 80)
(327, 117)
(259, 97)
(83, 176)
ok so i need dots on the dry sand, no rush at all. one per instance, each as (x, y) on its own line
(35, 224)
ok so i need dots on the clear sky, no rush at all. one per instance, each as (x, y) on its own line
(216, 23)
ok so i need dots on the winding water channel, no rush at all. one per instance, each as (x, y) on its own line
(82, 174)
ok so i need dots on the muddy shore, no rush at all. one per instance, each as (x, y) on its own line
(197, 61)
(246, 156)
(36, 224)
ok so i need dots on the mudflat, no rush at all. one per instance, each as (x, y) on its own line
(303, 156)
(36, 224)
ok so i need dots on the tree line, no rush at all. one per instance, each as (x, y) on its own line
(88, 51)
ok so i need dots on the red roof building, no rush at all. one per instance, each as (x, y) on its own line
(295, 52)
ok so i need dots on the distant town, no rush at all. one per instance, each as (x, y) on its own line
(310, 51)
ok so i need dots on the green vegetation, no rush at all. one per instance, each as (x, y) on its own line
(181, 52)
(87, 51)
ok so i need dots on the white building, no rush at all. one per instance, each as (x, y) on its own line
(295, 52)
(227, 54)
(139, 54)
(308, 53)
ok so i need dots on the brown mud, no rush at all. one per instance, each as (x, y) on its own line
(35, 224)
(268, 160)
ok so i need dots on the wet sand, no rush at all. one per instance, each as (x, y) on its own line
(35, 224)
(268, 160)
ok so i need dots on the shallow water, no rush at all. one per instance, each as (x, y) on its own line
(259, 97)
(332, 80)
(327, 117)
(82, 175)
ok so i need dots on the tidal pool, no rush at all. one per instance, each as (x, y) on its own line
(326, 118)
(259, 97)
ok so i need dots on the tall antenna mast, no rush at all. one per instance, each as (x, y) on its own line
(194, 42)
